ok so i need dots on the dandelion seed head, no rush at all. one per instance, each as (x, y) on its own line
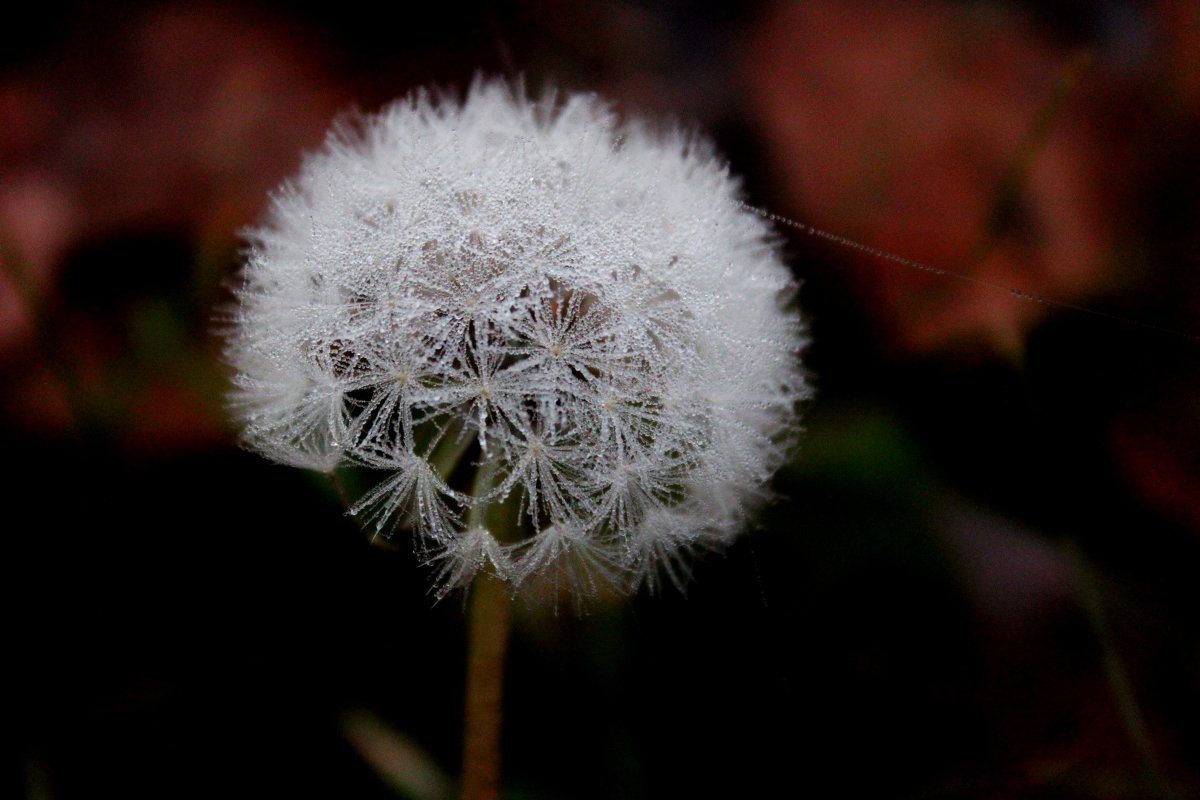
(578, 305)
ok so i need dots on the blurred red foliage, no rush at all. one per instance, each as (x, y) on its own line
(903, 126)
(181, 120)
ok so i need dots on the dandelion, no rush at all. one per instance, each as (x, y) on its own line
(561, 338)
(582, 306)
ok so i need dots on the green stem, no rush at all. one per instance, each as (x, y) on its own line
(488, 626)
(1016, 175)
(48, 329)
(487, 638)
(488, 623)
(1116, 674)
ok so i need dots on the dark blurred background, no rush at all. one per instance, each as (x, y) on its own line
(979, 579)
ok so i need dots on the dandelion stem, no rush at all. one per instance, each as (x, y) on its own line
(489, 618)
(487, 643)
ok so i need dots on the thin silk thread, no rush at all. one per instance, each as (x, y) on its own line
(922, 266)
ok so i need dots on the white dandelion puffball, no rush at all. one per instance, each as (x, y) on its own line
(525, 310)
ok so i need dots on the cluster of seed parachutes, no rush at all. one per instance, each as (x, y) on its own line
(561, 340)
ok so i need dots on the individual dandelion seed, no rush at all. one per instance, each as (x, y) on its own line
(523, 305)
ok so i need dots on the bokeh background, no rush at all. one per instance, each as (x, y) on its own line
(979, 580)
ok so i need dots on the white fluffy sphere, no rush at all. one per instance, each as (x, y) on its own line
(576, 311)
